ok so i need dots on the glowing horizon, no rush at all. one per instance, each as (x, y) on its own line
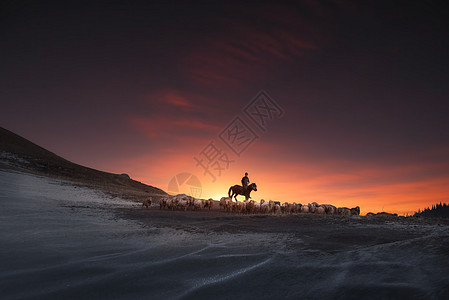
(400, 198)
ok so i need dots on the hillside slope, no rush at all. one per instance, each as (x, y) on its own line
(19, 153)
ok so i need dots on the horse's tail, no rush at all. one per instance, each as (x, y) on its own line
(229, 192)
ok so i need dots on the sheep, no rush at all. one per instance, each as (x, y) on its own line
(315, 208)
(250, 206)
(255, 207)
(163, 202)
(233, 207)
(180, 201)
(223, 202)
(240, 207)
(183, 203)
(312, 208)
(198, 204)
(171, 203)
(271, 205)
(147, 202)
(344, 211)
(291, 208)
(305, 209)
(283, 208)
(168, 203)
(208, 203)
(265, 207)
(228, 204)
(330, 209)
(355, 211)
(189, 199)
(320, 210)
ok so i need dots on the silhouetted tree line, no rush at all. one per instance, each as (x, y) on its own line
(437, 211)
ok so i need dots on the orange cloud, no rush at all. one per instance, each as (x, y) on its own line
(178, 100)
(168, 98)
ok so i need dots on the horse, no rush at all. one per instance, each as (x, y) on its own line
(238, 190)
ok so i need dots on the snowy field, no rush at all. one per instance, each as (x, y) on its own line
(59, 241)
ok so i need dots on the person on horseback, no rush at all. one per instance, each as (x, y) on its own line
(245, 182)
(245, 189)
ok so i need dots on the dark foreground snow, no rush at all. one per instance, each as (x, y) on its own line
(62, 242)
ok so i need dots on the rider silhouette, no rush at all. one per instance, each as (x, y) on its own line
(245, 181)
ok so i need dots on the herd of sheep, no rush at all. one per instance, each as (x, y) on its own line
(185, 202)
(274, 207)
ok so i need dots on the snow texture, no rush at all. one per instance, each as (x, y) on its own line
(60, 241)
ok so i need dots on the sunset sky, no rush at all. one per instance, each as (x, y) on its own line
(143, 87)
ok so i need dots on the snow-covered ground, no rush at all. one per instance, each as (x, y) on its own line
(59, 241)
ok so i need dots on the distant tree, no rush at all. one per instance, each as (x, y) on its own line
(438, 210)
